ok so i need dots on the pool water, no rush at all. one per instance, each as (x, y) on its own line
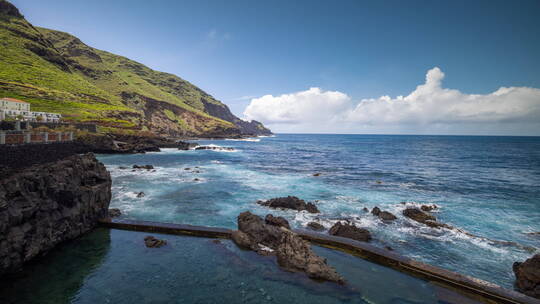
(114, 266)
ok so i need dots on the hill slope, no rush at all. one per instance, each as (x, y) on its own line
(57, 72)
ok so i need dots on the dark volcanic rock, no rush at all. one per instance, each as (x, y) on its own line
(387, 216)
(418, 215)
(528, 276)
(214, 148)
(276, 221)
(350, 231)
(152, 242)
(290, 202)
(383, 215)
(44, 205)
(114, 212)
(315, 226)
(316, 174)
(293, 253)
(428, 208)
(140, 194)
(147, 167)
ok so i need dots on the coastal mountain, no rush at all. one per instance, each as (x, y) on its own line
(57, 72)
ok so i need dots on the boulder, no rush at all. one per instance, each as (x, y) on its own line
(241, 239)
(140, 194)
(152, 242)
(315, 226)
(276, 221)
(418, 215)
(114, 212)
(316, 174)
(147, 167)
(290, 202)
(428, 208)
(293, 253)
(383, 215)
(350, 231)
(528, 276)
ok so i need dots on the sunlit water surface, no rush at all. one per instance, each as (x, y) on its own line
(487, 186)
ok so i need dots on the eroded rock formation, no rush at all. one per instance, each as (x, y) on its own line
(44, 205)
(528, 276)
(290, 202)
(350, 231)
(292, 252)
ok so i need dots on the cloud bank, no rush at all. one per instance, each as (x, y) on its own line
(429, 109)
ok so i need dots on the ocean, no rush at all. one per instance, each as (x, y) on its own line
(487, 187)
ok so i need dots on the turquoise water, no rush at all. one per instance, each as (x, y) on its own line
(114, 266)
(487, 186)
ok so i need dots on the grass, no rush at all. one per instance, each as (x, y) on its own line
(56, 72)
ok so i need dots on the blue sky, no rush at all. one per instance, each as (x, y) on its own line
(364, 49)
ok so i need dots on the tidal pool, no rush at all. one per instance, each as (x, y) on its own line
(114, 266)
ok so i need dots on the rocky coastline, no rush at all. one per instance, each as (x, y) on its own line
(44, 205)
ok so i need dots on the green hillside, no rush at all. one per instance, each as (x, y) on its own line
(56, 72)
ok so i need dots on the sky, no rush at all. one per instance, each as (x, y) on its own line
(391, 67)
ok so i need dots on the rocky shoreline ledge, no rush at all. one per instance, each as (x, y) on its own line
(44, 205)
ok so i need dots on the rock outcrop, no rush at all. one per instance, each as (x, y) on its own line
(424, 218)
(152, 242)
(350, 231)
(315, 226)
(383, 215)
(292, 252)
(277, 221)
(290, 202)
(528, 276)
(44, 205)
(114, 212)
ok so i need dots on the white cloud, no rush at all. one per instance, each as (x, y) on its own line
(430, 108)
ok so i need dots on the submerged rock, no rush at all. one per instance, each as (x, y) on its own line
(276, 221)
(293, 253)
(350, 231)
(528, 276)
(290, 202)
(140, 194)
(114, 212)
(147, 167)
(152, 242)
(316, 174)
(315, 226)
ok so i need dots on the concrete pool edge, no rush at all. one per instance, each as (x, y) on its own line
(475, 288)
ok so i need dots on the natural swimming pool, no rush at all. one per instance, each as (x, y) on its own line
(114, 266)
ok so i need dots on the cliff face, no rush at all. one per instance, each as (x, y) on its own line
(57, 72)
(44, 205)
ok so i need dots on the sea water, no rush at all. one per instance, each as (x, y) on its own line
(487, 187)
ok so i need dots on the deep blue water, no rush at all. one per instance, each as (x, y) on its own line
(487, 186)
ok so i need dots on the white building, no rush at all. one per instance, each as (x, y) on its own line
(14, 108)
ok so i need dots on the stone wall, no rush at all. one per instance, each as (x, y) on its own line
(44, 205)
(22, 156)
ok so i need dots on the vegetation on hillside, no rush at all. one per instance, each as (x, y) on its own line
(56, 72)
